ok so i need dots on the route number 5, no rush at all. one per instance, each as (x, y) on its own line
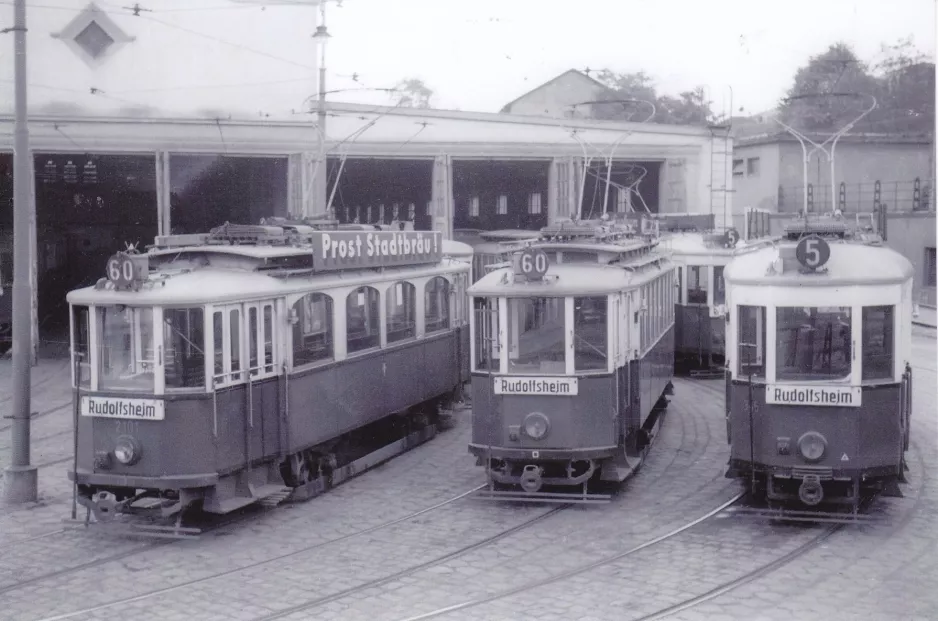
(812, 252)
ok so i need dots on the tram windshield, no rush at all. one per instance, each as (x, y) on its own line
(535, 336)
(813, 343)
(125, 348)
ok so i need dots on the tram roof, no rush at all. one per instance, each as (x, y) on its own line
(851, 263)
(211, 285)
(563, 280)
(456, 249)
(695, 243)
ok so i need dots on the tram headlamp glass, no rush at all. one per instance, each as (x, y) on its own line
(812, 446)
(536, 425)
(126, 450)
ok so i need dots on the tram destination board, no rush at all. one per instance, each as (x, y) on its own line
(341, 250)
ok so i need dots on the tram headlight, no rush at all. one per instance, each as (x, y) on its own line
(536, 425)
(812, 446)
(126, 450)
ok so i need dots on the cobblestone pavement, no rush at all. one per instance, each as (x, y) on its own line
(305, 561)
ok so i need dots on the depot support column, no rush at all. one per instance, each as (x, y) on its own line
(20, 478)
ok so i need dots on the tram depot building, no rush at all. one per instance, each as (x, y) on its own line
(124, 146)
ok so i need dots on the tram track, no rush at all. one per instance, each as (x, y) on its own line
(449, 556)
(36, 415)
(800, 551)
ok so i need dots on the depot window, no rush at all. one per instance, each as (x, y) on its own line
(751, 341)
(312, 332)
(184, 356)
(362, 319)
(697, 282)
(590, 342)
(485, 318)
(812, 343)
(536, 335)
(125, 348)
(878, 337)
(401, 303)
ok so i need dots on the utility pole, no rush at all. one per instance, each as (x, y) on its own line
(21, 478)
(320, 175)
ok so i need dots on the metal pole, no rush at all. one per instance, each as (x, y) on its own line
(20, 477)
(321, 165)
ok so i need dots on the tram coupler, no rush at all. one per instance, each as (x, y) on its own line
(531, 478)
(811, 492)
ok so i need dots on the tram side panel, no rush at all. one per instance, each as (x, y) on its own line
(652, 373)
(328, 401)
(869, 436)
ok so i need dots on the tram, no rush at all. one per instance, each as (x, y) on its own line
(818, 388)
(494, 247)
(572, 359)
(252, 362)
(701, 255)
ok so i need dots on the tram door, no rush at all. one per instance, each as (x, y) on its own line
(263, 388)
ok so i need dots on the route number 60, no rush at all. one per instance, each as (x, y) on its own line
(533, 263)
(120, 270)
(812, 252)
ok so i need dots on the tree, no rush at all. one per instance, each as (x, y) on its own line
(813, 103)
(906, 90)
(412, 93)
(688, 108)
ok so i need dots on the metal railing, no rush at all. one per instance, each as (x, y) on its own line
(914, 195)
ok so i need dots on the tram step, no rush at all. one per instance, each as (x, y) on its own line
(277, 497)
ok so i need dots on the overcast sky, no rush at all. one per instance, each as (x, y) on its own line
(479, 55)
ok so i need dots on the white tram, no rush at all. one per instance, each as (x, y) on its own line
(819, 384)
(572, 355)
(223, 368)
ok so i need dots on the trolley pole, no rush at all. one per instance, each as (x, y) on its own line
(21, 478)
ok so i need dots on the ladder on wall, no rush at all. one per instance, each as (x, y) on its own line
(721, 165)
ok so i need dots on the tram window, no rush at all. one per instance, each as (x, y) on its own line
(234, 320)
(697, 284)
(485, 316)
(401, 304)
(536, 335)
(218, 332)
(252, 341)
(183, 340)
(590, 331)
(813, 343)
(878, 325)
(125, 348)
(312, 332)
(719, 285)
(436, 304)
(751, 341)
(362, 317)
(81, 346)
(268, 338)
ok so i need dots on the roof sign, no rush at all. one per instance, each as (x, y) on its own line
(337, 250)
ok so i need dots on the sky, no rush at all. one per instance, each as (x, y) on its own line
(482, 54)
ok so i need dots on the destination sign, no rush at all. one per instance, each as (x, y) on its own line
(338, 250)
(791, 394)
(115, 407)
(548, 386)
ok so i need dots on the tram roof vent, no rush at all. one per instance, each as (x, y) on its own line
(678, 222)
(826, 227)
(181, 240)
